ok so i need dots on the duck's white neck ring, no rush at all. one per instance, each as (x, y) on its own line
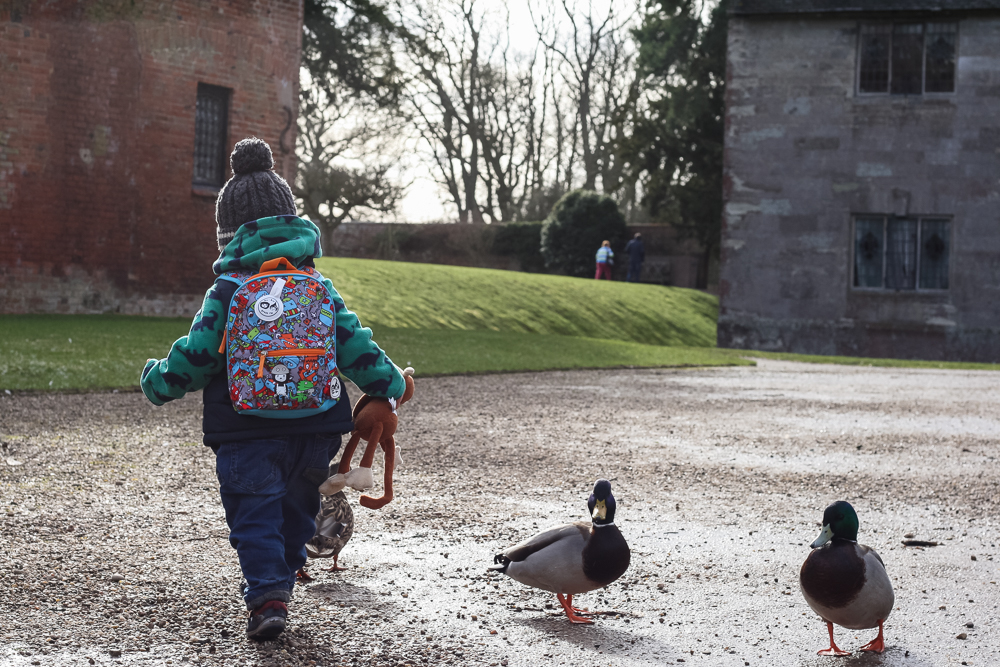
(603, 525)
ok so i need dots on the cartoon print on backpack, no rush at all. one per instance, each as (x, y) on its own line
(281, 384)
(335, 387)
(268, 307)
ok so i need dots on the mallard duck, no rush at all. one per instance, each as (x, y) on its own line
(573, 558)
(845, 582)
(334, 527)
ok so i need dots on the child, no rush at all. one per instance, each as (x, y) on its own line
(268, 469)
(605, 258)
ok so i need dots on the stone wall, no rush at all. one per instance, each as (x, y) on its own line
(804, 153)
(97, 115)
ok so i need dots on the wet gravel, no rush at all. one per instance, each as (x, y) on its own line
(113, 546)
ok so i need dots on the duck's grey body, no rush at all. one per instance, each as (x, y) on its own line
(552, 560)
(846, 584)
(334, 527)
(569, 559)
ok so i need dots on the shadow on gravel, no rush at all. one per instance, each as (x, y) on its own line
(344, 593)
(597, 638)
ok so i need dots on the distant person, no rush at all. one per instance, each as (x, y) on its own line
(270, 469)
(605, 259)
(636, 252)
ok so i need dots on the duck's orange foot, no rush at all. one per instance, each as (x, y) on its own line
(336, 568)
(303, 577)
(571, 612)
(576, 610)
(876, 645)
(833, 650)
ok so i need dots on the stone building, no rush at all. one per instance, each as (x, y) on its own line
(116, 122)
(862, 178)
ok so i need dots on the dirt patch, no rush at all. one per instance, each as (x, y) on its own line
(721, 476)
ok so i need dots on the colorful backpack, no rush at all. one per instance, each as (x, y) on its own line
(280, 342)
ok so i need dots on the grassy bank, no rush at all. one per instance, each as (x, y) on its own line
(439, 319)
(64, 352)
(403, 295)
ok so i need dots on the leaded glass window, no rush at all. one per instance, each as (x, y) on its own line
(869, 251)
(875, 39)
(906, 72)
(934, 250)
(907, 58)
(901, 254)
(939, 70)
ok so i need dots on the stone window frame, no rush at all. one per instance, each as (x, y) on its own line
(209, 165)
(924, 22)
(918, 248)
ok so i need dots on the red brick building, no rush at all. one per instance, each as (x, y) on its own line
(116, 123)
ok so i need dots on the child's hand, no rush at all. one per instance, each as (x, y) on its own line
(408, 392)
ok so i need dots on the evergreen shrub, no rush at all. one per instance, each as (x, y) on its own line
(575, 229)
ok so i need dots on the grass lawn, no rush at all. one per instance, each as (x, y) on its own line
(81, 351)
(454, 352)
(100, 351)
(439, 319)
(402, 295)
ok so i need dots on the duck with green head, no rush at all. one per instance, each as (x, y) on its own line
(572, 558)
(846, 582)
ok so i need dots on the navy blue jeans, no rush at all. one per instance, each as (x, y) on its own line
(270, 492)
(634, 271)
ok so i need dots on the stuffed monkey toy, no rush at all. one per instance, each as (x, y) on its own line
(375, 422)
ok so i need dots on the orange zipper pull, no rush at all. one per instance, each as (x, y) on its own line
(260, 369)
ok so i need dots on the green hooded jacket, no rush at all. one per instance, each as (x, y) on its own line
(194, 360)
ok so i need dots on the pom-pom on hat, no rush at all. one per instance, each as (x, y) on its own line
(253, 192)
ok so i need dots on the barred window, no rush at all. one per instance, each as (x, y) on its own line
(211, 134)
(901, 254)
(907, 58)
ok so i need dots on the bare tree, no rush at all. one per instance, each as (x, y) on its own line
(508, 133)
(482, 109)
(595, 56)
(443, 96)
(349, 155)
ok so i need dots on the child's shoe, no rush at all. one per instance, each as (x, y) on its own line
(267, 621)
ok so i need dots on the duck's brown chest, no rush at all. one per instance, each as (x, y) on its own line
(834, 574)
(606, 555)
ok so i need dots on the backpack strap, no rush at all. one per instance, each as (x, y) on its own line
(232, 276)
(238, 277)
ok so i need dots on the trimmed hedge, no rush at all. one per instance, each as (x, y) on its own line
(523, 241)
(575, 229)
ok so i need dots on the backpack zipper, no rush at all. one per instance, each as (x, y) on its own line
(288, 352)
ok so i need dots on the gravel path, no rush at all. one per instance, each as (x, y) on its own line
(721, 477)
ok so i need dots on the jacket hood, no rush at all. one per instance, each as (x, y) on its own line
(258, 241)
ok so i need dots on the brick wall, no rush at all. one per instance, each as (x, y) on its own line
(97, 209)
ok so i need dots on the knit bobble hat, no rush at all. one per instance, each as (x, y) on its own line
(253, 192)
